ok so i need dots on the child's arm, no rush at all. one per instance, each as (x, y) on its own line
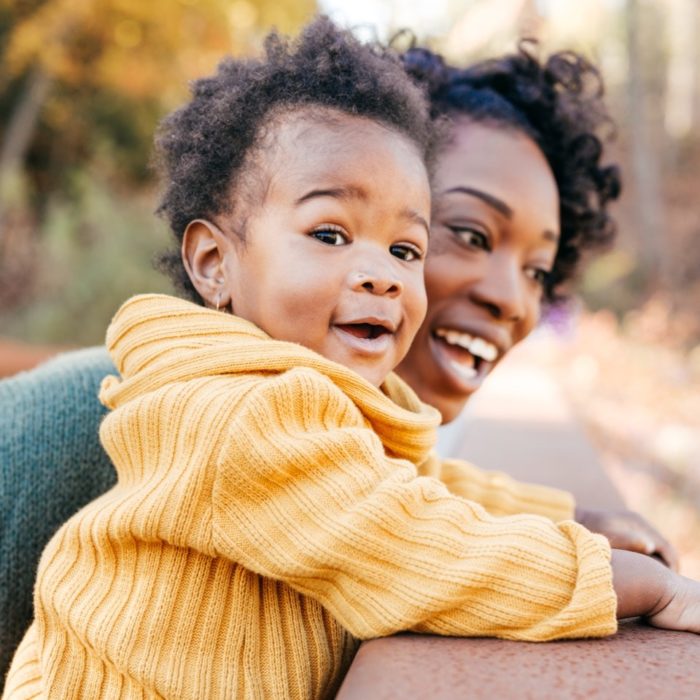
(500, 494)
(306, 495)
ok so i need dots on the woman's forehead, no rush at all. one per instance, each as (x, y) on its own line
(504, 163)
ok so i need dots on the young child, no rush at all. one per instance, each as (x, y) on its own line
(269, 513)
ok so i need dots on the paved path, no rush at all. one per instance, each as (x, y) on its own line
(521, 423)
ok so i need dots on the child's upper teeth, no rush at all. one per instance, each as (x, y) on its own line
(476, 346)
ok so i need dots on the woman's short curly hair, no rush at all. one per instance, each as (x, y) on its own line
(558, 103)
(204, 149)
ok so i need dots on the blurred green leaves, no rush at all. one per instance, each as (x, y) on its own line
(93, 251)
(83, 84)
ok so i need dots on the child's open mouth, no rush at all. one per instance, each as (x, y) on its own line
(367, 336)
(364, 330)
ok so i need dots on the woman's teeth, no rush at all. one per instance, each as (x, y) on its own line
(462, 370)
(476, 346)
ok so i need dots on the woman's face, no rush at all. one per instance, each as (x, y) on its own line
(495, 228)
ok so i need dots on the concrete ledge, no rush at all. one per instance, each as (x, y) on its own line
(639, 662)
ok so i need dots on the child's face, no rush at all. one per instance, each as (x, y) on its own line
(333, 257)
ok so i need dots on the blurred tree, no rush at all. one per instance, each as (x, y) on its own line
(645, 66)
(85, 81)
(681, 70)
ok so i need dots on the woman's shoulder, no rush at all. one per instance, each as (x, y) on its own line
(66, 384)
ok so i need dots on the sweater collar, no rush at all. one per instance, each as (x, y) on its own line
(156, 339)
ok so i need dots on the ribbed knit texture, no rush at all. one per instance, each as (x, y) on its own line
(51, 464)
(500, 494)
(268, 516)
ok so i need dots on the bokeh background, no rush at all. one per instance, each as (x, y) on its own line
(83, 84)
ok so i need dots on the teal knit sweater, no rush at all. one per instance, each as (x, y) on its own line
(51, 464)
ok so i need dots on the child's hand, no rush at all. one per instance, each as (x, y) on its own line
(645, 588)
(628, 530)
(682, 611)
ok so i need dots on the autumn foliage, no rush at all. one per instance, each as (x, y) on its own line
(83, 84)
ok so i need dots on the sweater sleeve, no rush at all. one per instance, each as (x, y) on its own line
(305, 494)
(499, 493)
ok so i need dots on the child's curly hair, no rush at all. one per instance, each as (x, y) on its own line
(204, 148)
(558, 103)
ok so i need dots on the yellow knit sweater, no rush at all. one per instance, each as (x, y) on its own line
(268, 516)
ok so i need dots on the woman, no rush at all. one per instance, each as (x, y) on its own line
(520, 191)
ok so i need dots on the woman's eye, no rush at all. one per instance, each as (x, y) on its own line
(471, 237)
(538, 275)
(330, 236)
(405, 252)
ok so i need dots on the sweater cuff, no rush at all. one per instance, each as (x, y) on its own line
(592, 610)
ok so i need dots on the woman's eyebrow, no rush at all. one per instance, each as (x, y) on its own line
(499, 205)
(494, 202)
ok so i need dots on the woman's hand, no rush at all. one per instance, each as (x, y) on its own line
(628, 530)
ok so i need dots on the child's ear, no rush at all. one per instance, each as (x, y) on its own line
(204, 250)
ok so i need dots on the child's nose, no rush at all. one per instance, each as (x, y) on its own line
(379, 283)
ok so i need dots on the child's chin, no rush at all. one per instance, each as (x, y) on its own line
(374, 378)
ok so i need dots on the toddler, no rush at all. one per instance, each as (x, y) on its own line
(274, 503)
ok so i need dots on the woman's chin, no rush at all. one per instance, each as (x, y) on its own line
(449, 408)
(447, 386)
(450, 404)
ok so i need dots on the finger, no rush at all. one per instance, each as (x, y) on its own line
(664, 550)
(668, 555)
(633, 542)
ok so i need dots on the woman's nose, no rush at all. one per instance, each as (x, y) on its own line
(379, 282)
(502, 290)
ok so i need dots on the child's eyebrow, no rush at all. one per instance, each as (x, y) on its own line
(416, 218)
(351, 192)
(348, 192)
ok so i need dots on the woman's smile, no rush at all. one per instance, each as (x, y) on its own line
(466, 356)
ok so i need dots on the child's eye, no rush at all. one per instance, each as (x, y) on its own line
(406, 252)
(330, 235)
(471, 237)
